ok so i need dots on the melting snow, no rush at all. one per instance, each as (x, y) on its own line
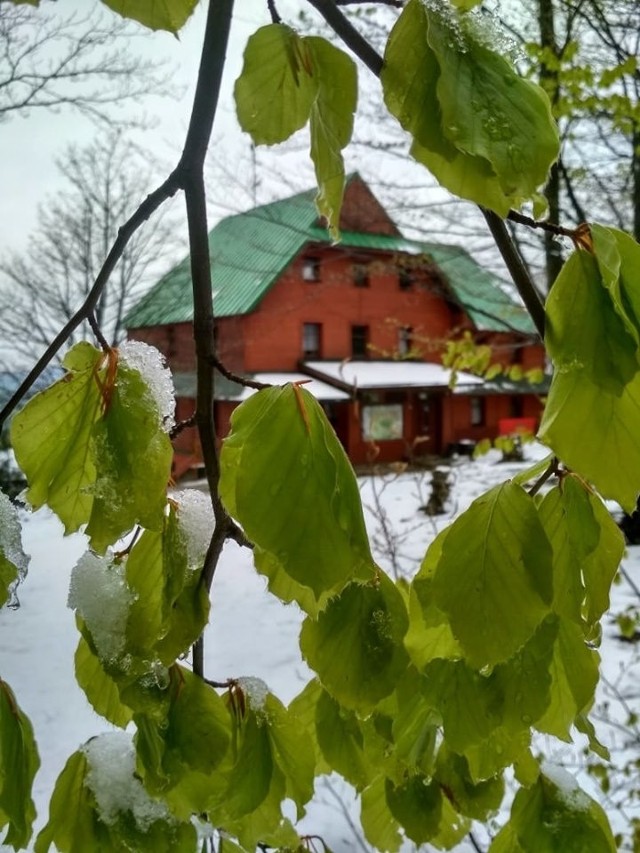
(99, 592)
(11, 543)
(196, 521)
(256, 692)
(111, 778)
(150, 364)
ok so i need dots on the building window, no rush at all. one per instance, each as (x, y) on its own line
(311, 269)
(311, 340)
(359, 341)
(405, 280)
(405, 340)
(516, 407)
(477, 411)
(361, 275)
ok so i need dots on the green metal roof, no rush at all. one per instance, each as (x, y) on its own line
(250, 250)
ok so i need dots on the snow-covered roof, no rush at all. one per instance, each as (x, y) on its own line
(387, 374)
(320, 390)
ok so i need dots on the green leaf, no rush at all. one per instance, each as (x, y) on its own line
(378, 823)
(468, 703)
(287, 480)
(99, 804)
(133, 460)
(287, 81)
(173, 747)
(555, 814)
(289, 742)
(607, 452)
(500, 750)
(171, 606)
(99, 688)
(588, 547)
(19, 763)
(13, 560)
(73, 825)
(415, 724)
(93, 449)
(574, 674)
(584, 333)
(341, 740)
(592, 335)
(168, 15)
(417, 806)
(51, 435)
(331, 124)
(493, 579)
(475, 800)
(277, 86)
(485, 133)
(370, 621)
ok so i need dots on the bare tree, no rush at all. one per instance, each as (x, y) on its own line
(41, 288)
(82, 61)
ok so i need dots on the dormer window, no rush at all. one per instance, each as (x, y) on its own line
(311, 269)
(361, 275)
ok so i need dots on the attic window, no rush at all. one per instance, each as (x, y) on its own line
(361, 275)
(311, 340)
(405, 280)
(311, 269)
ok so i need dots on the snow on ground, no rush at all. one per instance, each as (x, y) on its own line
(252, 634)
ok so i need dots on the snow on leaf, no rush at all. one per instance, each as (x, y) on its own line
(13, 561)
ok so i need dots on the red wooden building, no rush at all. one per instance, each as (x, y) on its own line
(367, 319)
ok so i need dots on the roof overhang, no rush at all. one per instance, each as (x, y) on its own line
(387, 375)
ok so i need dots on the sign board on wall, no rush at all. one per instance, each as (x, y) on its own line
(382, 423)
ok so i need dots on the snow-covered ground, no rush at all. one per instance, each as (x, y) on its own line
(253, 634)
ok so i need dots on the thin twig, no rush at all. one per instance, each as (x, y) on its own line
(97, 331)
(234, 377)
(542, 224)
(182, 425)
(546, 475)
(275, 17)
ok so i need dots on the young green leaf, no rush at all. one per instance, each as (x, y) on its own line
(341, 741)
(277, 86)
(378, 823)
(607, 452)
(477, 800)
(588, 547)
(100, 689)
(369, 620)
(92, 448)
(51, 436)
(585, 333)
(287, 81)
(493, 579)
(417, 806)
(170, 15)
(555, 814)
(132, 455)
(574, 676)
(331, 124)
(485, 133)
(13, 560)
(287, 480)
(172, 746)
(19, 762)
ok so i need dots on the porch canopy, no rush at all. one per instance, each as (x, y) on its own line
(356, 376)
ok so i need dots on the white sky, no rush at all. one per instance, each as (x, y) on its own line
(30, 144)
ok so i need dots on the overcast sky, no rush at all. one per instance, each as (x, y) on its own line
(30, 143)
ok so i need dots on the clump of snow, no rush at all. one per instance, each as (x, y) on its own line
(150, 364)
(196, 522)
(112, 780)
(570, 791)
(99, 592)
(255, 691)
(11, 544)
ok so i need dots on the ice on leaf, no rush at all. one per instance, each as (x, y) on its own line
(13, 560)
(150, 364)
(195, 523)
(114, 783)
(99, 592)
